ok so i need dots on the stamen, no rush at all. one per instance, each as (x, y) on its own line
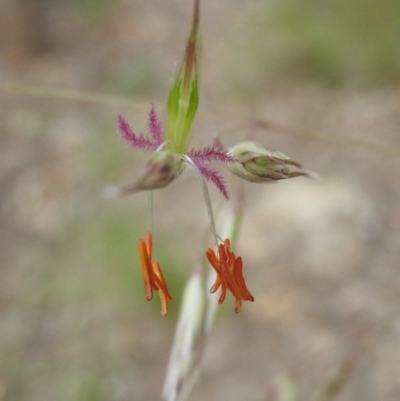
(229, 274)
(152, 274)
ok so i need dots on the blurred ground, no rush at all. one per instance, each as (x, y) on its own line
(321, 259)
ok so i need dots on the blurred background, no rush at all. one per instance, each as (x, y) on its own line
(321, 259)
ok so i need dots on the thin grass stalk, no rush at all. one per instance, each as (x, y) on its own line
(196, 318)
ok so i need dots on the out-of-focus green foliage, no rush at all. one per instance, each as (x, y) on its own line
(134, 80)
(341, 41)
(94, 9)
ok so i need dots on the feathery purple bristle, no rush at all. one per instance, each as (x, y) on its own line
(212, 175)
(211, 153)
(140, 141)
(154, 126)
(136, 141)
